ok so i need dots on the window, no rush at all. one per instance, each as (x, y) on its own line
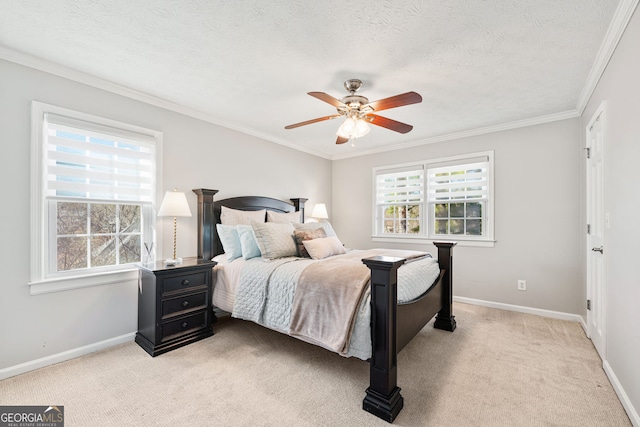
(400, 196)
(439, 199)
(94, 188)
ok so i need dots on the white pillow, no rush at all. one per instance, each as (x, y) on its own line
(328, 228)
(284, 217)
(275, 240)
(324, 247)
(230, 216)
(230, 241)
(248, 243)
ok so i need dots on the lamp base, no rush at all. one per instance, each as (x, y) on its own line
(170, 261)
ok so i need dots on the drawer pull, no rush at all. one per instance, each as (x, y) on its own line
(185, 303)
(185, 282)
(184, 324)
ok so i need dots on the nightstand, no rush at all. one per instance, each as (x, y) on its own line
(174, 304)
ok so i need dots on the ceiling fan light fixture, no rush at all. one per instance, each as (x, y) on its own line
(347, 128)
(353, 128)
(362, 128)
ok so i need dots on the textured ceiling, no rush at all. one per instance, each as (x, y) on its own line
(249, 64)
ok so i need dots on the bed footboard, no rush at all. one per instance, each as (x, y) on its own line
(383, 398)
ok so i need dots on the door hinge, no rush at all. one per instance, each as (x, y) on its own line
(588, 304)
(588, 150)
(588, 228)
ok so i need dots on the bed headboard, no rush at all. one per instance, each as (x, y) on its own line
(209, 215)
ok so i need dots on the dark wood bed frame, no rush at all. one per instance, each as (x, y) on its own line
(393, 325)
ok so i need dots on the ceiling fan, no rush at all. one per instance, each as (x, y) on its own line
(358, 111)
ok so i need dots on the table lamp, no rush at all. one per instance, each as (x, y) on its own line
(174, 204)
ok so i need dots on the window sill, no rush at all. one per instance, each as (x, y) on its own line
(428, 241)
(60, 284)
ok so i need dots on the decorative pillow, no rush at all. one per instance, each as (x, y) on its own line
(283, 218)
(275, 240)
(230, 216)
(324, 247)
(302, 235)
(248, 243)
(230, 241)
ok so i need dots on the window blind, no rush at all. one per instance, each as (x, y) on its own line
(458, 182)
(400, 186)
(89, 161)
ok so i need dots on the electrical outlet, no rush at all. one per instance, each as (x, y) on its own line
(522, 285)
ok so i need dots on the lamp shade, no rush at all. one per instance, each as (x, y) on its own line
(362, 128)
(174, 204)
(319, 211)
(347, 128)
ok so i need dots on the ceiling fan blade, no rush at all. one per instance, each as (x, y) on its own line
(327, 98)
(341, 140)
(308, 122)
(395, 101)
(388, 123)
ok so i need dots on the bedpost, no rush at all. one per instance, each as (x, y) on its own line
(206, 223)
(445, 318)
(298, 203)
(383, 397)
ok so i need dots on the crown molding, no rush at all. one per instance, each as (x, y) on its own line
(618, 25)
(97, 82)
(466, 134)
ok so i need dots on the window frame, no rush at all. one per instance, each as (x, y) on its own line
(41, 279)
(426, 235)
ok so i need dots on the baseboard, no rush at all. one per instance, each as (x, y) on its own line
(522, 309)
(65, 355)
(583, 323)
(624, 399)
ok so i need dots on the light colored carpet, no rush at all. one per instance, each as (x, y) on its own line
(498, 368)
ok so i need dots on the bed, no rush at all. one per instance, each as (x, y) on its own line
(382, 318)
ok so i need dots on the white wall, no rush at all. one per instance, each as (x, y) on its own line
(196, 154)
(619, 87)
(537, 214)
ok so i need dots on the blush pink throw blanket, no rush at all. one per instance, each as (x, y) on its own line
(328, 295)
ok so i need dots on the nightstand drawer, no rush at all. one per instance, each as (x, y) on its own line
(184, 281)
(185, 303)
(184, 325)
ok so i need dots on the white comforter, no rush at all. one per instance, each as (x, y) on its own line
(263, 292)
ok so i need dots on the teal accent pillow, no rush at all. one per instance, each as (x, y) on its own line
(230, 241)
(248, 242)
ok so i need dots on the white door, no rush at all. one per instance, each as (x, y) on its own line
(597, 220)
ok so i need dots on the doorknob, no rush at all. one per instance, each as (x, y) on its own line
(600, 249)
